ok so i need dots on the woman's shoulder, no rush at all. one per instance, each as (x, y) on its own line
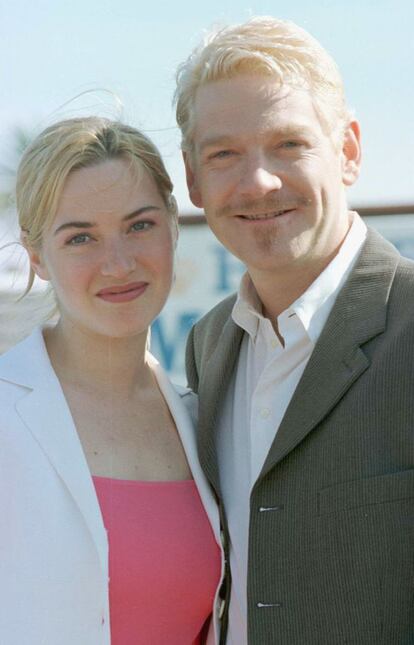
(188, 398)
(183, 391)
(22, 362)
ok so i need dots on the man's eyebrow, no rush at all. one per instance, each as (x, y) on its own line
(84, 225)
(282, 131)
(216, 141)
(292, 131)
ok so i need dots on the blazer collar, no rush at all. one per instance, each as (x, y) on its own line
(43, 409)
(338, 359)
(358, 315)
(185, 424)
(214, 382)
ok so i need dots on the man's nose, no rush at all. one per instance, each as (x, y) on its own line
(118, 260)
(259, 178)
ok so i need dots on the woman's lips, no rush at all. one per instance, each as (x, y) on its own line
(123, 293)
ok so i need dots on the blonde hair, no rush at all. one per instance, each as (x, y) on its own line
(267, 46)
(70, 145)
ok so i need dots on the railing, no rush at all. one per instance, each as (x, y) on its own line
(364, 211)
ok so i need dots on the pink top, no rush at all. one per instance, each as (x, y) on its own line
(164, 563)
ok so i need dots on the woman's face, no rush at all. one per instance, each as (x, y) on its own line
(109, 252)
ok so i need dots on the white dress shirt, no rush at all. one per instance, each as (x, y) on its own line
(262, 386)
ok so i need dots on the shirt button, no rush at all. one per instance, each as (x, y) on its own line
(265, 413)
(274, 343)
(103, 620)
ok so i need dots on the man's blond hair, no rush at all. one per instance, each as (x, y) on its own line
(267, 46)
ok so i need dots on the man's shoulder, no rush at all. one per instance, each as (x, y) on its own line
(380, 250)
(205, 335)
(405, 269)
(379, 288)
(217, 316)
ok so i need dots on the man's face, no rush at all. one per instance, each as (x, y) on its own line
(270, 179)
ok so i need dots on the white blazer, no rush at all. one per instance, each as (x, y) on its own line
(53, 544)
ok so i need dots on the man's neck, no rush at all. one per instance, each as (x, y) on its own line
(278, 291)
(280, 288)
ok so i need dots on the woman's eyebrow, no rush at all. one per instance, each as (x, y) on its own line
(140, 211)
(67, 225)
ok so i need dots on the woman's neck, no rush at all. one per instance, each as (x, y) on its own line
(99, 362)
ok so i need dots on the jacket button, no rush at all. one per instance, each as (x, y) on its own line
(267, 509)
(263, 605)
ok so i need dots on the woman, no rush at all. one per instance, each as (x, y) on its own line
(110, 532)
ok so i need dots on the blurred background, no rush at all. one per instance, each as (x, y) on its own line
(118, 59)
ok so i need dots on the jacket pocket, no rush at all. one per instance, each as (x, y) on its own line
(365, 492)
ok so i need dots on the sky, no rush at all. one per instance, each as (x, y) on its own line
(121, 57)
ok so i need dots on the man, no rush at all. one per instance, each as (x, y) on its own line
(305, 378)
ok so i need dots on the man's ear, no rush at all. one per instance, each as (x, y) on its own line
(192, 186)
(351, 154)
(35, 258)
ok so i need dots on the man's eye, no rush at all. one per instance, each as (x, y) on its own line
(141, 226)
(291, 144)
(221, 154)
(77, 240)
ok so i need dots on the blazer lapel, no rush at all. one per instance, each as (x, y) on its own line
(337, 361)
(186, 430)
(213, 385)
(45, 413)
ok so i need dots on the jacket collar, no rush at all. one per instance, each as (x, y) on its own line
(337, 361)
(44, 411)
(214, 382)
(182, 404)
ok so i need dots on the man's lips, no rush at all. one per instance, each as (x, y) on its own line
(123, 292)
(264, 216)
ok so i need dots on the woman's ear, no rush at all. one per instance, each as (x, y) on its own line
(351, 154)
(35, 257)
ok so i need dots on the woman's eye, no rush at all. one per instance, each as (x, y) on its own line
(76, 240)
(141, 226)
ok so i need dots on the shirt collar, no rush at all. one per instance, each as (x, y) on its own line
(315, 304)
(247, 310)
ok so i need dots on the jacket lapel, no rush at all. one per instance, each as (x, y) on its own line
(338, 360)
(186, 430)
(45, 413)
(213, 385)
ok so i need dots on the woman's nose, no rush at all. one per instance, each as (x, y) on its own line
(118, 260)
